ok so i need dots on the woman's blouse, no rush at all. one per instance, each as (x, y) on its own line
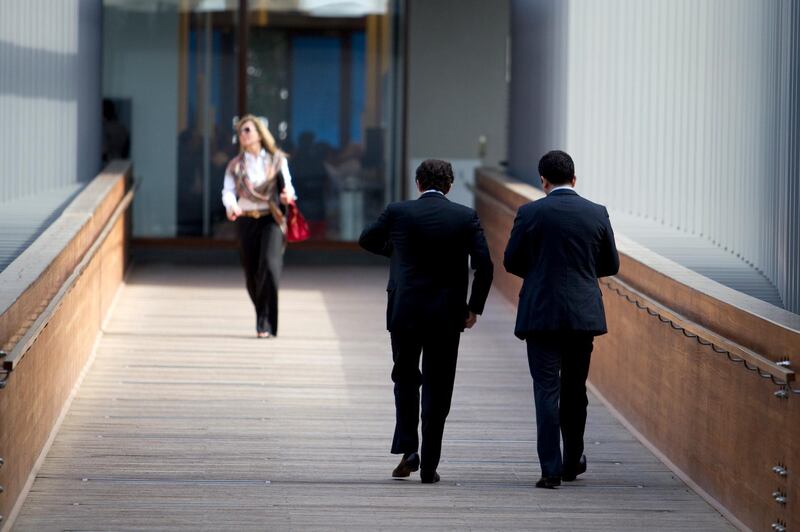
(255, 166)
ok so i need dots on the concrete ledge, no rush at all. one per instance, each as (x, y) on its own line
(40, 385)
(717, 423)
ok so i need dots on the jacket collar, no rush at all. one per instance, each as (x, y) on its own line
(563, 191)
(432, 194)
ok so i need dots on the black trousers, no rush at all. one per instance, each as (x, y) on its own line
(439, 355)
(261, 244)
(559, 364)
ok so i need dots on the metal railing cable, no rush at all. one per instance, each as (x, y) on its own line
(11, 359)
(763, 367)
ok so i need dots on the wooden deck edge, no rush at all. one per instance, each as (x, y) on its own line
(715, 422)
(686, 479)
(12, 516)
(23, 494)
(86, 273)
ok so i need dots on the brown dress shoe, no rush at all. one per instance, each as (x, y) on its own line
(408, 464)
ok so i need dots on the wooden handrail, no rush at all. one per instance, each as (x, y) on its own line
(764, 366)
(744, 320)
(13, 358)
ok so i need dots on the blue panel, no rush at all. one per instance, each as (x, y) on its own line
(191, 93)
(316, 88)
(358, 77)
(216, 75)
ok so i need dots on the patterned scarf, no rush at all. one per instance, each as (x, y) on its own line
(267, 191)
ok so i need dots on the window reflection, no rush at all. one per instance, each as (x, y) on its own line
(324, 81)
(322, 77)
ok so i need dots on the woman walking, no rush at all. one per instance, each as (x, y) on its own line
(256, 189)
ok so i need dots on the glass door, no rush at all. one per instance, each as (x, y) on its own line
(323, 73)
(208, 80)
(325, 85)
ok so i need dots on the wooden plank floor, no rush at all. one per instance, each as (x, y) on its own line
(186, 421)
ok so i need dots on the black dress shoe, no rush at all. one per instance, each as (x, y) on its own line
(408, 464)
(548, 482)
(429, 478)
(571, 473)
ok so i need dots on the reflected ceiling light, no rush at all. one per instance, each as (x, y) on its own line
(215, 5)
(315, 8)
(342, 8)
(184, 6)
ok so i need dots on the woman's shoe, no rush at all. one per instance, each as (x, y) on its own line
(263, 334)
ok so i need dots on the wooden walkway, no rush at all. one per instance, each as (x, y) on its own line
(186, 421)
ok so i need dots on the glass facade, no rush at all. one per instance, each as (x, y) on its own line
(179, 74)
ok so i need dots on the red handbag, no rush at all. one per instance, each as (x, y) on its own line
(296, 224)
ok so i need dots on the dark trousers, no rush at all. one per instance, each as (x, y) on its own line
(261, 252)
(559, 365)
(439, 355)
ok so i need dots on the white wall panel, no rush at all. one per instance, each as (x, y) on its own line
(457, 79)
(686, 112)
(140, 64)
(50, 116)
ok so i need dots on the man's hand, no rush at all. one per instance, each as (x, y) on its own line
(471, 319)
(284, 198)
(234, 213)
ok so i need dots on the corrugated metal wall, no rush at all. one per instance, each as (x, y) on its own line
(684, 112)
(786, 265)
(50, 99)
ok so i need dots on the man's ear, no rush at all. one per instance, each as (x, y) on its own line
(573, 180)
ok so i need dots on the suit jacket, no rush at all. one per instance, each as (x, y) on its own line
(560, 245)
(430, 241)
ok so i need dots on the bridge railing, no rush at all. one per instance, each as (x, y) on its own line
(53, 298)
(700, 373)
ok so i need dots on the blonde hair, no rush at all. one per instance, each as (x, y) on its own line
(267, 140)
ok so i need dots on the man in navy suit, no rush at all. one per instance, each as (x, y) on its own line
(560, 245)
(429, 241)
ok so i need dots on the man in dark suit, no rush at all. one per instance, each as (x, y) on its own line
(429, 241)
(560, 245)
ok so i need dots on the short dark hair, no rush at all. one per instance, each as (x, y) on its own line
(435, 174)
(557, 167)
